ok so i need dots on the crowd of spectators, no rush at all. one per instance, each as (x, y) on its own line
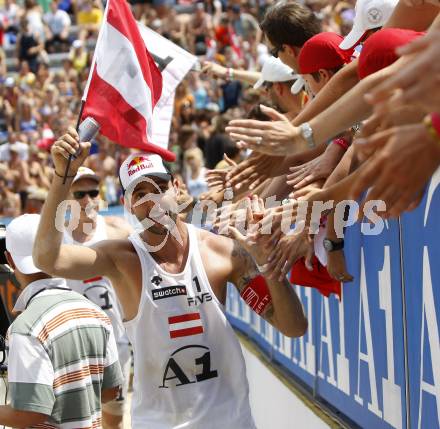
(46, 50)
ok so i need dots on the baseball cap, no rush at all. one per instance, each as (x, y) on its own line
(369, 14)
(379, 51)
(322, 51)
(20, 237)
(85, 173)
(142, 165)
(274, 70)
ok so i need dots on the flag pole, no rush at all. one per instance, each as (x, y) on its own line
(86, 89)
(81, 109)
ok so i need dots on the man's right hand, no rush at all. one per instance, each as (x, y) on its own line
(67, 145)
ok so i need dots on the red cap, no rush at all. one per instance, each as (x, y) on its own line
(318, 279)
(379, 51)
(322, 52)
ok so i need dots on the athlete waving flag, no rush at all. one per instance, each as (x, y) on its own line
(124, 84)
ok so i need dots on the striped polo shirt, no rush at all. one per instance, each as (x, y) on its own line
(62, 353)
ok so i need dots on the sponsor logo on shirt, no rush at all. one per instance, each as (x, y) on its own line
(185, 325)
(168, 292)
(187, 365)
(194, 301)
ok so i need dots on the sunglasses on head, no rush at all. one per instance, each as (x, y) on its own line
(79, 195)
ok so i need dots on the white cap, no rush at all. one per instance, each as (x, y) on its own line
(85, 173)
(299, 84)
(20, 238)
(274, 70)
(369, 14)
(142, 164)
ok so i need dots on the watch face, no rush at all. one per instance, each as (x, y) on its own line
(328, 245)
(307, 131)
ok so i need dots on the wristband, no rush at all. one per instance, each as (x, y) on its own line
(342, 143)
(432, 124)
(256, 294)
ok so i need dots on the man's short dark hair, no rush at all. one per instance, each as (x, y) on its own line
(289, 23)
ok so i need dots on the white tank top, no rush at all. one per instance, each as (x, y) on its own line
(189, 370)
(99, 290)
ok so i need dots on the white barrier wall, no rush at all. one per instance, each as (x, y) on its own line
(273, 404)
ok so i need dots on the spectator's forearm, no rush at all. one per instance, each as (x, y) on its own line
(342, 169)
(417, 18)
(351, 108)
(249, 77)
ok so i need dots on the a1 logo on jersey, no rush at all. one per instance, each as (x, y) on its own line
(187, 365)
(201, 298)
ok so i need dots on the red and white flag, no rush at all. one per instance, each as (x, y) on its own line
(185, 325)
(124, 83)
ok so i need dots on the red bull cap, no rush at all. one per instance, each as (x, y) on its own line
(142, 164)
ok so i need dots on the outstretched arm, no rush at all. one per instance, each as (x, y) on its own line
(68, 261)
(276, 301)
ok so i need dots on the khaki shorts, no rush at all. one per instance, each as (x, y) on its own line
(118, 406)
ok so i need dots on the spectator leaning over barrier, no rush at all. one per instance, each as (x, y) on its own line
(326, 107)
(277, 79)
(63, 360)
(319, 59)
(286, 27)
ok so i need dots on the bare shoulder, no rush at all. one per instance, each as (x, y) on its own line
(215, 243)
(117, 228)
(226, 252)
(115, 248)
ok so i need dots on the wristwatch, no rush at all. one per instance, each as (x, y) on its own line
(307, 133)
(332, 246)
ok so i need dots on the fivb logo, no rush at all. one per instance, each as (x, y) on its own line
(139, 163)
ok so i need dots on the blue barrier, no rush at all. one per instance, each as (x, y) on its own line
(374, 356)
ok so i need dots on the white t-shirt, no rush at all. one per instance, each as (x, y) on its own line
(57, 21)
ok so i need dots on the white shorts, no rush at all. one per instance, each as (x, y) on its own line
(118, 406)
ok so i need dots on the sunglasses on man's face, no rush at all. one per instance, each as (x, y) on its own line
(267, 85)
(79, 195)
(275, 51)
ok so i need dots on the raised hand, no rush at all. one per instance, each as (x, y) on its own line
(403, 162)
(253, 171)
(67, 145)
(277, 138)
(316, 169)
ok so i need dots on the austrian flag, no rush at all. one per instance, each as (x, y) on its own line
(185, 325)
(124, 83)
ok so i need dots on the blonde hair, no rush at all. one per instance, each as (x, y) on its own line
(195, 153)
